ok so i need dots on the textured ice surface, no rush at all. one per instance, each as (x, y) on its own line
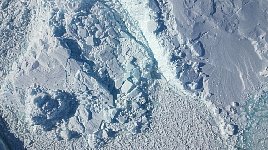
(255, 113)
(133, 74)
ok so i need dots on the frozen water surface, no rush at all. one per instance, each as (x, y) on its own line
(133, 74)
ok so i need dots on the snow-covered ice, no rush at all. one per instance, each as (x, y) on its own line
(133, 74)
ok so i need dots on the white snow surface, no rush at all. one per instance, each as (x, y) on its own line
(133, 74)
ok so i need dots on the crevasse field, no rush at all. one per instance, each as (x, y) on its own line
(134, 74)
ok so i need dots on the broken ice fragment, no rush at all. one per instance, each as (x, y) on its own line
(105, 134)
(82, 32)
(92, 141)
(264, 72)
(135, 92)
(231, 109)
(231, 129)
(193, 86)
(152, 26)
(198, 49)
(65, 134)
(126, 86)
(109, 114)
(130, 66)
(112, 33)
(235, 104)
(135, 105)
(122, 119)
(136, 73)
(89, 40)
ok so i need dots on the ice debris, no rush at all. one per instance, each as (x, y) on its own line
(49, 109)
(98, 75)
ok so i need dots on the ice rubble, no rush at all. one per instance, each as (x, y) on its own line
(85, 73)
(168, 46)
(192, 62)
(101, 63)
(13, 27)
